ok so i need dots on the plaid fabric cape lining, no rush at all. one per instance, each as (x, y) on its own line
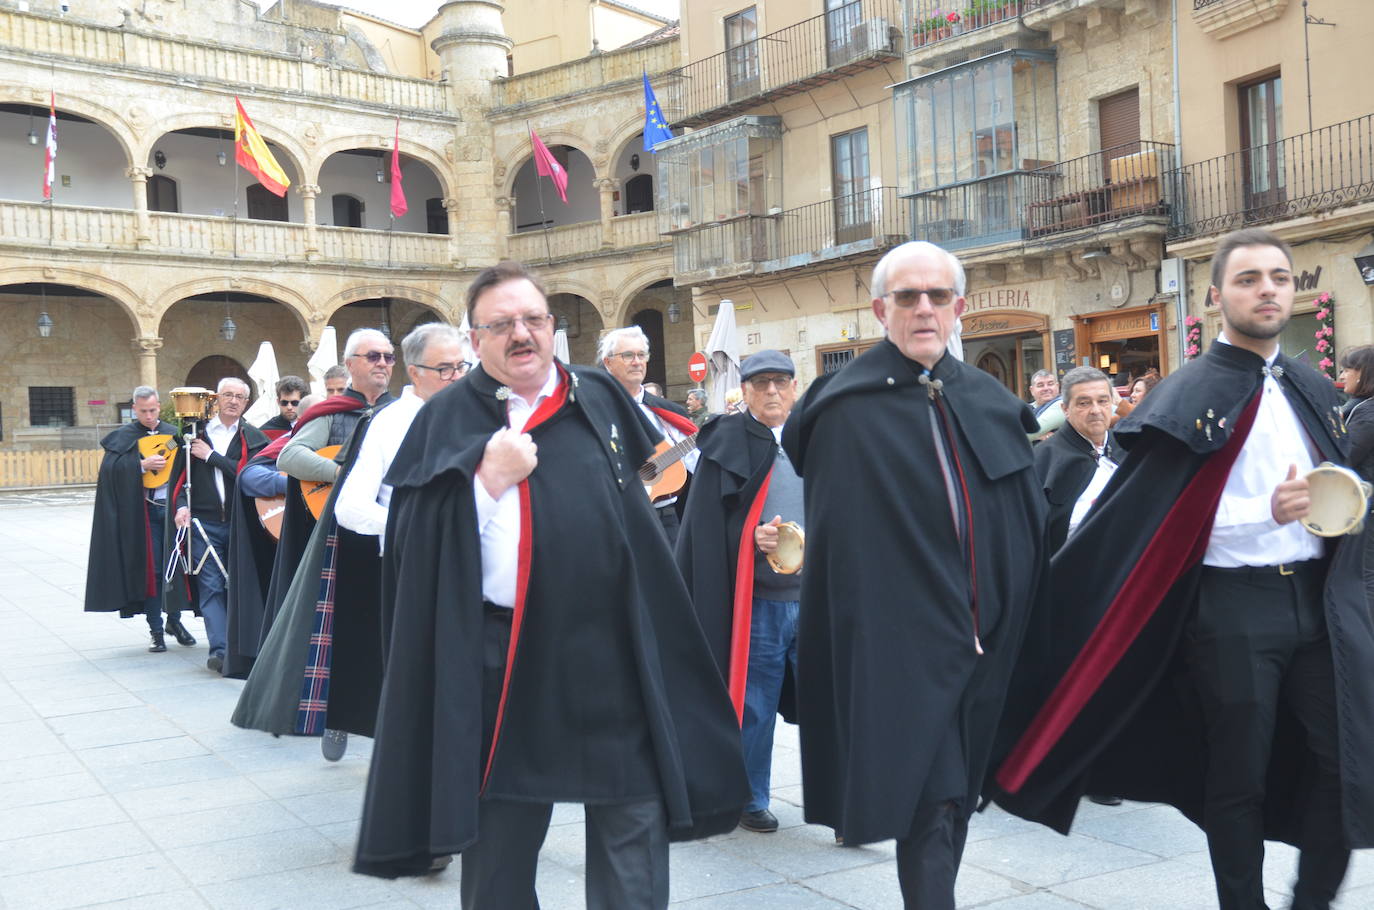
(314, 705)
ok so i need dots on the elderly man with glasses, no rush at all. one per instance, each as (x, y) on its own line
(925, 546)
(543, 647)
(342, 702)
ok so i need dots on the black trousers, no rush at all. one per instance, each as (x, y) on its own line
(928, 857)
(667, 516)
(1259, 640)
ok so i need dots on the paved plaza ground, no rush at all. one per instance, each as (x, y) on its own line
(122, 784)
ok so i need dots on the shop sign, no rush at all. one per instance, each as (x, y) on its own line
(999, 299)
(1001, 323)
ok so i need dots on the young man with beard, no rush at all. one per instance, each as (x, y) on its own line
(550, 650)
(1207, 650)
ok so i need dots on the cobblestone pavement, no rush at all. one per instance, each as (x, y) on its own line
(122, 784)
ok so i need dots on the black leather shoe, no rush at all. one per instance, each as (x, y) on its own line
(178, 631)
(439, 864)
(760, 821)
(1105, 800)
(159, 643)
(215, 664)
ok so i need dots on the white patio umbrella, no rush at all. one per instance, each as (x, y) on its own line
(955, 344)
(722, 357)
(325, 356)
(264, 374)
(560, 346)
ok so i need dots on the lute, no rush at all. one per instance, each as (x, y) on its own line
(163, 444)
(664, 473)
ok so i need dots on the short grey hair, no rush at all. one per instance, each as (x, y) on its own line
(612, 339)
(358, 336)
(1081, 376)
(144, 392)
(878, 284)
(422, 336)
(1040, 374)
(699, 394)
(233, 380)
(337, 371)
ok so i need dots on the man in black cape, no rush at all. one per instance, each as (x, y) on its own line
(252, 551)
(319, 669)
(1075, 463)
(290, 390)
(743, 489)
(543, 648)
(132, 532)
(925, 527)
(1199, 647)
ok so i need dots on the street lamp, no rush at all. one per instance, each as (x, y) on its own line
(44, 325)
(674, 313)
(227, 329)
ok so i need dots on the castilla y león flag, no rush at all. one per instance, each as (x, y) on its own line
(251, 151)
(545, 165)
(398, 193)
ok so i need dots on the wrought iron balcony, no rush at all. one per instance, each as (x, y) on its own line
(853, 225)
(939, 20)
(1106, 186)
(1306, 174)
(977, 212)
(853, 37)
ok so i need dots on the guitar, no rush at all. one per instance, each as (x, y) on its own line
(163, 444)
(271, 510)
(316, 492)
(664, 473)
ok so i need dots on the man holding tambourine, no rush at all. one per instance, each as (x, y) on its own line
(740, 551)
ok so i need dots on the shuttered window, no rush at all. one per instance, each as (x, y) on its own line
(1118, 121)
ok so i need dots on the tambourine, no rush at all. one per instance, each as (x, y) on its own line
(1340, 501)
(192, 402)
(787, 558)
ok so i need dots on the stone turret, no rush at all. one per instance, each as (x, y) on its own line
(472, 47)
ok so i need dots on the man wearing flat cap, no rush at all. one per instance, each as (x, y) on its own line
(743, 490)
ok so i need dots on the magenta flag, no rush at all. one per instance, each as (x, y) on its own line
(398, 193)
(546, 166)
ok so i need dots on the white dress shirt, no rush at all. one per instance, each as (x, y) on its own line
(1105, 469)
(363, 499)
(220, 437)
(673, 435)
(1244, 532)
(498, 520)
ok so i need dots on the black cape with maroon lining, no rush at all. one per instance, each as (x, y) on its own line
(120, 574)
(897, 709)
(611, 688)
(1104, 702)
(728, 494)
(1065, 464)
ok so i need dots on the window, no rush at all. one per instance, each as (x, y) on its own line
(52, 406)
(162, 194)
(436, 216)
(265, 205)
(830, 357)
(725, 171)
(849, 186)
(742, 53)
(1261, 128)
(845, 38)
(639, 194)
(348, 211)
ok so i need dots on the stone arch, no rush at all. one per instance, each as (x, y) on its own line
(418, 296)
(434, 160)
(560, 284)
(138, 310)
(215, 120)
(524, 151)
(637, 281)
(295, 303)
(118, 125)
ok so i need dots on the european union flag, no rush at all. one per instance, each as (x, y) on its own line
(655, 126)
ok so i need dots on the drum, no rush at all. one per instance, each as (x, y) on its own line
(192, 402)
(1340, 501)
(787, 558)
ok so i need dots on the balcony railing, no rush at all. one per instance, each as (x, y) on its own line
(1306, 174)
(1203, 4)
(938, 20)
(840, 41)
(979, 212)
(1105, 186)
(833, 229)
(609, 68)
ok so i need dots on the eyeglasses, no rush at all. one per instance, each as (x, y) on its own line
(533, 323)
(377, 357)
(909, 297)
(764, 383)
(632, 356)
(446, 371)
(235, 396)
(288, 403)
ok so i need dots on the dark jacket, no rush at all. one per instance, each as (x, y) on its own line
(1065, 464)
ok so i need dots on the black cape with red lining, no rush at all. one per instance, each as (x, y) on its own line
(1138, 733)
(120, 574)
(897, 709)
(611, 673)
(1065, 464)
(737, 455)
(271, 696)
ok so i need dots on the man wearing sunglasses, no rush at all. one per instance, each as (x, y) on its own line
(341, 702)
(925, 545)
(290, 391)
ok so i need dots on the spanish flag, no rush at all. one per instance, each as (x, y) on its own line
(251, 151)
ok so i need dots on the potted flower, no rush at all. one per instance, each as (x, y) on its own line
(1326, 334)
(1192, 338)
(935, 27)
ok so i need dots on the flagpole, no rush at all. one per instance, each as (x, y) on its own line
(390, 224)
(234, 221)
(539, 191)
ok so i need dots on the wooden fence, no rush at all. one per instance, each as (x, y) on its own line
(50, 468)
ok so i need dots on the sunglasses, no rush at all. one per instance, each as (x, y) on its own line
(288, 403)
(376, 357)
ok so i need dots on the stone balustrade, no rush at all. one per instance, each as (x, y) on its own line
(560, 243)
(35, 33)
(594, 72)
(640, 229)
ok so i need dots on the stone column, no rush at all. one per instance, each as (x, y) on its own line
(144, 230)
(505, 219)
(607, 188)
(455, 249)
(148, 346)
(308, 192)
